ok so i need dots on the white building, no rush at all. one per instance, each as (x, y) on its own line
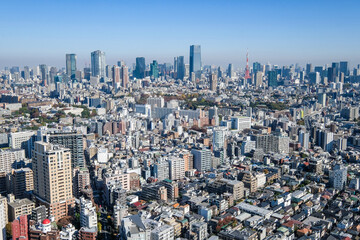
(8, 157)
(177, 168)
(260, 179)
(247, 145)
(3, 216)
(102, 155)
(200, 228)
(164, 232)
(202, 159)
(219, 134)
(338, 177)
(304, 139)
(22, 140)
(239, 123)
(88, 215)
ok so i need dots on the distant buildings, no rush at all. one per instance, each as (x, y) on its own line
(195, 60)
(140, 68)
(98, 64)
(71, 65)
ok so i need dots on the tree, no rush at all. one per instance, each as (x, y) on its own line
(99, 226)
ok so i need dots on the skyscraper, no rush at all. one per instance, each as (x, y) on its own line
(308, 68)
(344, 68)
(98, 64)
(44, 72)
(195, 60)
(116, 76)
(213, 82)
(140, 67)
(180, 67)
(124, 76)
(26, 73)
(154, 70)
(331, 74)
(256, 67)
(230, 70)
(71, 65)
(52, 178)
(272, 79)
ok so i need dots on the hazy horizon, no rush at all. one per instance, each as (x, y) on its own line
(279, 32)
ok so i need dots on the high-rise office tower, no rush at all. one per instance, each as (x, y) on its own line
(175, 64)
(272, 79)
(154, 70)
(120, 63)
(344, 68)
(140, 67)
(213, 81)
(52, 178)
(314, 78)
(256, 67)
(258, 78)
(336, 67)
(180, 67)
(124, 76)
(195, 60)
(98, 64)
(44, 72)
(322, 99)
(331, 74)
(71, 65)
(230, 71)
(308, 68)
(116, 76)
(26, 73)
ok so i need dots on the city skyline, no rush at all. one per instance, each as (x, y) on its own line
(277, 32)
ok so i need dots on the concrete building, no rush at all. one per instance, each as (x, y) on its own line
(70, 140)
(338, 177)
(22, 182)
(9, 157)
(202, 159)
(200, 229)
(20, 207)
(240, 123)
(88, 214)
(19, 228)
(177, 168)
(164, 232)
(53, 178)
(3, 216)
(22, 140)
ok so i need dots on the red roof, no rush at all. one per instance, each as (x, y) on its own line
(46, 221)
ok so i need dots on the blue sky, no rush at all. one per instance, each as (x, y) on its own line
(279, 32)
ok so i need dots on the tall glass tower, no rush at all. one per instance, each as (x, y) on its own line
(98, 64)
(140, 67)
(180, 67)
(71, 65)
(195, 60)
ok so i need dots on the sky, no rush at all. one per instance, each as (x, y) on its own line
(280, 32)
